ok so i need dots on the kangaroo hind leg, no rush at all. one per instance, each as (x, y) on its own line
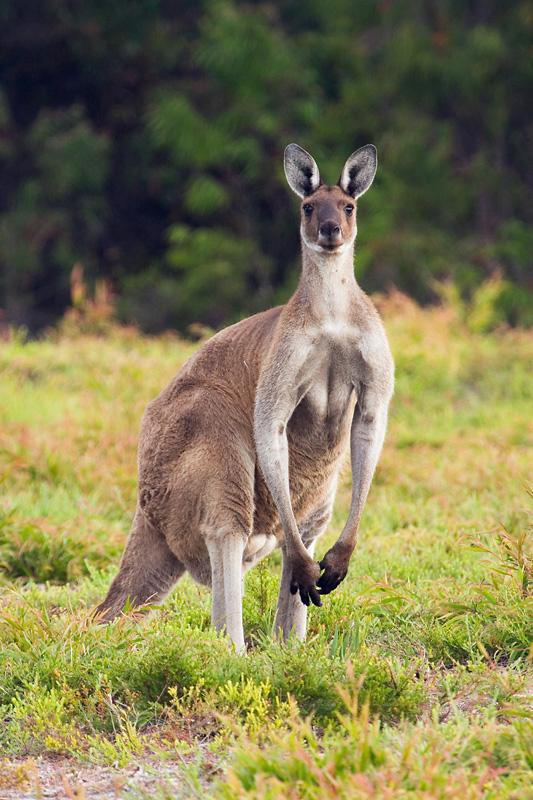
(226, 555)
(147, 572)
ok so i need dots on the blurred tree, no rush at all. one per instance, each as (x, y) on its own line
(145, 139)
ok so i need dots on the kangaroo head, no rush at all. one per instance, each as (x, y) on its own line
(328, 213)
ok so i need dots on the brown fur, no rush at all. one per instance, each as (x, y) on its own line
(200, 475)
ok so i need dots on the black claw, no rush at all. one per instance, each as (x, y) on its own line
(294, 588)
(327, 583)
(315, 597)
(304, 597)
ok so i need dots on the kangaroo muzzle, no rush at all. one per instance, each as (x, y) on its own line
(329, 234)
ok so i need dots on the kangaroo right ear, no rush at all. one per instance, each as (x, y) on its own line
(301, 170)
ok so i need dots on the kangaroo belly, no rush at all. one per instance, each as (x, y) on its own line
(317, 445)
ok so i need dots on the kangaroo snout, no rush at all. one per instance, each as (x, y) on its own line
(329, 234)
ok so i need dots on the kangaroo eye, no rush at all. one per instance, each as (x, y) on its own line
(308, 209)
(348, 210)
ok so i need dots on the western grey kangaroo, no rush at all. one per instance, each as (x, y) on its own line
(242, 451)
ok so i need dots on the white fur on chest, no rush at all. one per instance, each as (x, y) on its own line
(338, 329)
(329, 367)
(340, 357)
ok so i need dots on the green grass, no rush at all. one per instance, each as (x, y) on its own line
(415, 680)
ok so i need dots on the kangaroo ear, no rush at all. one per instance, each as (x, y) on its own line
(301, 170)
(358, 172)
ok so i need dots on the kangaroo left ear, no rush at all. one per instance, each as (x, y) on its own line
(359, 171)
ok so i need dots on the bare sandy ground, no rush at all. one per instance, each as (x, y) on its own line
(61, 778)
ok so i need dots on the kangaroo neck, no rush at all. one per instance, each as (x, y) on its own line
(327, 283)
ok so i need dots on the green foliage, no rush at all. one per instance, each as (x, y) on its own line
(493, 303)
(205, 195)
(29, 551)
(363, 760)
(189, 294)
(145, 140)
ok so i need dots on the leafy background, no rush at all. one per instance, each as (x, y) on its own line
(144, 140)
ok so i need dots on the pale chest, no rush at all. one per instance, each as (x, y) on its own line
(330, 374)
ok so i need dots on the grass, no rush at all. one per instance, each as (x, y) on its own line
(416, 677)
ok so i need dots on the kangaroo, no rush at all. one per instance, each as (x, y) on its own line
(242, 451)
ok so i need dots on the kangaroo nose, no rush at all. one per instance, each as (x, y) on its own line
(329, 229)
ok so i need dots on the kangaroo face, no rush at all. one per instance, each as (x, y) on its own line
(328, 219)
(328, 212)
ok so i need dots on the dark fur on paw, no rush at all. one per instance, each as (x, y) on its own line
(304, 578)
(335, 568)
